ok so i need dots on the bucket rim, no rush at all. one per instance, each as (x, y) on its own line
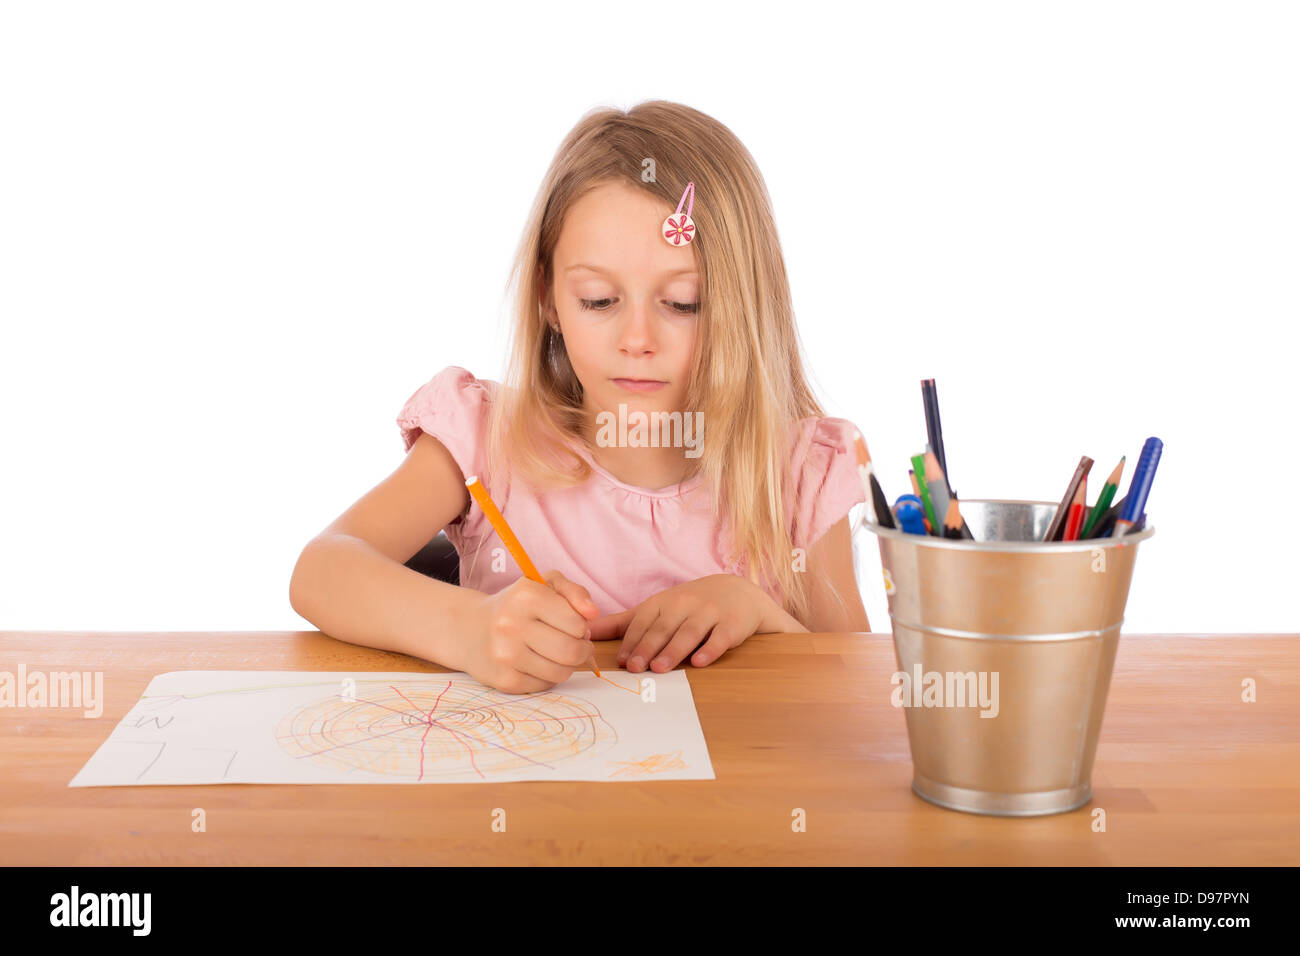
(1029, 547)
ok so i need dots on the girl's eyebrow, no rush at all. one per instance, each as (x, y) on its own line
(670, 272)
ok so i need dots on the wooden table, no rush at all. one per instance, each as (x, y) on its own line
(1187, 772)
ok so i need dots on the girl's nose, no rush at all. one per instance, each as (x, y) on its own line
(637, 336)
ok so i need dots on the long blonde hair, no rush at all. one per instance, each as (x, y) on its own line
(748, 375)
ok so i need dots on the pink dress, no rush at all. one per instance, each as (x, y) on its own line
(622, 543)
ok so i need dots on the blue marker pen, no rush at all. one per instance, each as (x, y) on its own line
(1139, 488)
(910, 513)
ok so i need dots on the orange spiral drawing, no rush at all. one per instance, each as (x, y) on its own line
(425, 728)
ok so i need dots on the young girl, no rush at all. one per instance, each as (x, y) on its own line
(650, 288)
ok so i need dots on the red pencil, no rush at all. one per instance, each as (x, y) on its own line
(1075, 519)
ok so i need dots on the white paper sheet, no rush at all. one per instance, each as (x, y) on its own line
(206, 727)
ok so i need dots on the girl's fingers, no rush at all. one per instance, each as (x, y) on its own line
(559, 647)
(688, 637)
(721, 640)
(656, 636)
(546, 655)
(554, 609)
(644, 616)
(574, 593)
(611, 625)
(520, 683)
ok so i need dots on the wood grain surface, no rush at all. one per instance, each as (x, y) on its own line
(1186, 772)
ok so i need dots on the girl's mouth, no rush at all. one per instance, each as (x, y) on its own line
(638, 384)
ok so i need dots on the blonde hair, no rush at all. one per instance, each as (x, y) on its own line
(748, 375)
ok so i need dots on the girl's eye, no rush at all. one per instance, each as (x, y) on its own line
(600, 305)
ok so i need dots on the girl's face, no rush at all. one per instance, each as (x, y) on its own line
(626, 301)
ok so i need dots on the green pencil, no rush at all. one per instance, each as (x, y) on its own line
(1103, 500)
(918, 467)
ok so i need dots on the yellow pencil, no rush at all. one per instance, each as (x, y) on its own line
(507, 536)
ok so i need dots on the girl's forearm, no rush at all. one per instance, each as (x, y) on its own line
(353, 592)
(777, 621)
(775, 618)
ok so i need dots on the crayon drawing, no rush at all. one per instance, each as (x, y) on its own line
(430, 728)
(655, 763)
(207, 727)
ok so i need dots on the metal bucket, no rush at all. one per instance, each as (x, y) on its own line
(1007, 643)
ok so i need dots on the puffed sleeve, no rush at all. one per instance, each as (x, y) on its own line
(453, 407)
(824, 481)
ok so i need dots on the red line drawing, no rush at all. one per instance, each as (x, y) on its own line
(392, 729)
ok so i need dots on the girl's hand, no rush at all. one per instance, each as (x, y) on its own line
(664, 629)
(528, 636)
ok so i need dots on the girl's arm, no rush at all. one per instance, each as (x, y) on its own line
(830, 561)
(351, 580)
(353, 592)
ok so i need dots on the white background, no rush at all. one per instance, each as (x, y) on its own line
(235, 237)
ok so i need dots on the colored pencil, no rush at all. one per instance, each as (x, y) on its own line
(933, 427)
(916, 492)
(1104, 499)
(1106, 523)
(935, 484)
(940, 493)
(879, 503)
(965, 528)
(1063, 509)
(507, 536)
(918, 468)
(952, 523)
(1075, 520)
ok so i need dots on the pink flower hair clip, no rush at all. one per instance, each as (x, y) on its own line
(679, 228)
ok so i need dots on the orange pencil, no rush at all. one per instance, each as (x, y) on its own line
(507, 536)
